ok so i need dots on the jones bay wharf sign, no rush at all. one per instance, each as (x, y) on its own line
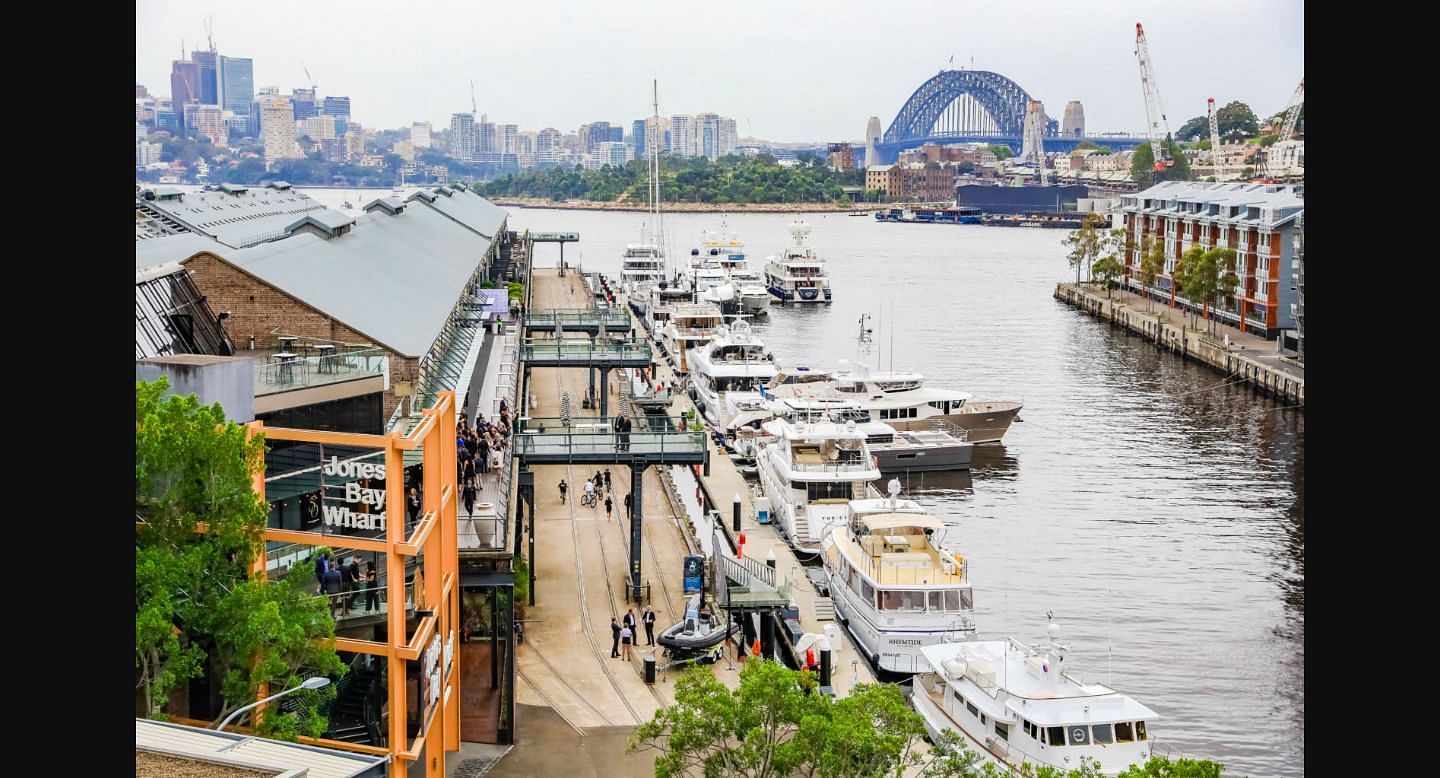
(373, 499)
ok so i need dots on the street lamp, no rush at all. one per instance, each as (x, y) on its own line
(318, 682)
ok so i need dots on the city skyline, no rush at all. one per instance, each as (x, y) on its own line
(552, 80)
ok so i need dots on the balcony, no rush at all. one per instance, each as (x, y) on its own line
(276, 372)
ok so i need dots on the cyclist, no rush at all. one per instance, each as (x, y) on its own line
(589, 492)
(563, 489)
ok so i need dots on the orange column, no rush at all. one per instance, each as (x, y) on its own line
(395, 609)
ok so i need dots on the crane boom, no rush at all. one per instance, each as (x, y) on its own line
(1214, 137)
(473, 109)
(1292, 112)
(1154, 113)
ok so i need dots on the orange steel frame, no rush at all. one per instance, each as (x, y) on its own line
(436, 535)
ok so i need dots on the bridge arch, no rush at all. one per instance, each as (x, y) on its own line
(928, 112)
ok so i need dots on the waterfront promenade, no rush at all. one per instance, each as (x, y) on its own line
(1241, 355)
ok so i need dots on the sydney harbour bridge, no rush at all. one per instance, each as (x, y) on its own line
(978, 106)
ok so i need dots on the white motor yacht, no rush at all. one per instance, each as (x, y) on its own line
(690, 325)
(728, 370)
(798, 274)
(642, 267)
(895, 450)
(810, 473)
(901, 400)
(895, 584)
(662, 298)
(1019, 704)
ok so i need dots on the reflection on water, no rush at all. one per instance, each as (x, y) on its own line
(1155, 507)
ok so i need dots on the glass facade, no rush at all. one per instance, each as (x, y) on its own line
(237, 84)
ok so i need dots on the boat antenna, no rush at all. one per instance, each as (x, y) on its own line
(892, 336)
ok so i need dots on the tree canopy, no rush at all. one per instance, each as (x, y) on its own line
(733, 179)
(1000, 150)
(198, 535)
(1142, 165)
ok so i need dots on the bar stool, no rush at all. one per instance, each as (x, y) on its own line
(326, 351)
(286, 373)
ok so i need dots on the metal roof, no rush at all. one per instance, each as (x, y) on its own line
(237, 216)
(394, 278)
(172, 248)
(469, 209)
(257, 753)
(328, 220)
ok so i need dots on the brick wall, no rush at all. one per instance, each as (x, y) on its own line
(260, 310)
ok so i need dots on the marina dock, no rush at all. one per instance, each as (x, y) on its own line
(582, 557)
(1239, 355)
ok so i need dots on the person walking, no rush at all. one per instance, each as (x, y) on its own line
(648, 618)
(607, 479)
(629, 514)
(469, 497)
(334, 587)
(563, 489)
(622, 433)
(627, 637)
(372, 594)
(322, 563)
(615, 638)
(353, 580)
(469, 475)
(609, 505)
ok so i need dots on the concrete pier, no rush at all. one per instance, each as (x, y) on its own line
(1238, 354)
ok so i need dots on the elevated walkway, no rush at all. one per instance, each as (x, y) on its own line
(653, 440)
(586, 320)
(601, 354)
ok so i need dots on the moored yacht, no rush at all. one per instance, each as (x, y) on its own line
(1016, 704)
(690, 325)
(901, 400)
(798, 274)
(746, 294)
(661, 299)
(895, 585)
(642, 267)
(895, 450)
(810, 473)
(731, 368)
(750, 292)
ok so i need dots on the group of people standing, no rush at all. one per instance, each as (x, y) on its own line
(344, 581)
(624, 635)
(478, 450)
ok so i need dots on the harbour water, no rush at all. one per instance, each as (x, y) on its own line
(1154, 508)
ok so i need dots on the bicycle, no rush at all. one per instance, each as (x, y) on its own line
(588, 500)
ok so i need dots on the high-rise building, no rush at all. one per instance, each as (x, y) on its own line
(612, 153)
(320, 128)
(210, 122)
(682, 135)
(617, 134)
(277, 129)
(707, 135)
(1072, 125)
(205, 64)
(145, 110)
(656, 137)
(487, 146)
(525, 142)
(462, 137)
(237, 84)
(140, 91)
(420, 135)
(303, 101)
(637, 138)
(509, 135)
(729, 138)
(146, 153)
(184, 86)
(594, 135)
(405, 150)
(547, 144)
(140, 131)
(339, 107)
(354, 142)
(872, 139)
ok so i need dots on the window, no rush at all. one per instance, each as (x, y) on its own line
(1079, 734)
(974, 711)
(1028, 727)
(935, 598)
(952, 600)
(1124, 732)
(1101, 733)
(967, 600)
(983, 721)
(1139, 730)
(1057, 735)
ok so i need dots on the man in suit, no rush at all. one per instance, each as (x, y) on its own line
(334, 586)
(615, 639)
(648, 617)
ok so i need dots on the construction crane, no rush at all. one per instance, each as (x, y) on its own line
(1214, 137)
(314, 88)
(1154, 113)
(1292, 111)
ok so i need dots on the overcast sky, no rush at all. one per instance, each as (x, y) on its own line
(786, 70)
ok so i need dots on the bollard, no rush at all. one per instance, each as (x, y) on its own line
(740, 547)
(736, 513)
(770, 559)
(650, 669)
(825, 664)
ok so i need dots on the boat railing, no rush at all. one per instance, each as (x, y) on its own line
(949, 428)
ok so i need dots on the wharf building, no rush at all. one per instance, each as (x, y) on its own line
(353, 341)
(1259, 221)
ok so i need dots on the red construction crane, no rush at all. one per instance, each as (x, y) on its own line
(1154, 113)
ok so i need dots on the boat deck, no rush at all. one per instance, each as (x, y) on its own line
(920, 564)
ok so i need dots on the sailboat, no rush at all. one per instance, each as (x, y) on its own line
(644, 265)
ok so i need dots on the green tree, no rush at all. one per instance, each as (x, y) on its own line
(1152, 261)
(1000, 150)
(777, 724)
(195, 602)
(1194, 129)
(1112, 265)
(1142, 165)
(1236, 121)
(1086, 243)
(1193, 276)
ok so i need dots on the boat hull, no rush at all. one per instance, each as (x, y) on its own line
(985, 423)
(941, 457)
(895, 653)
